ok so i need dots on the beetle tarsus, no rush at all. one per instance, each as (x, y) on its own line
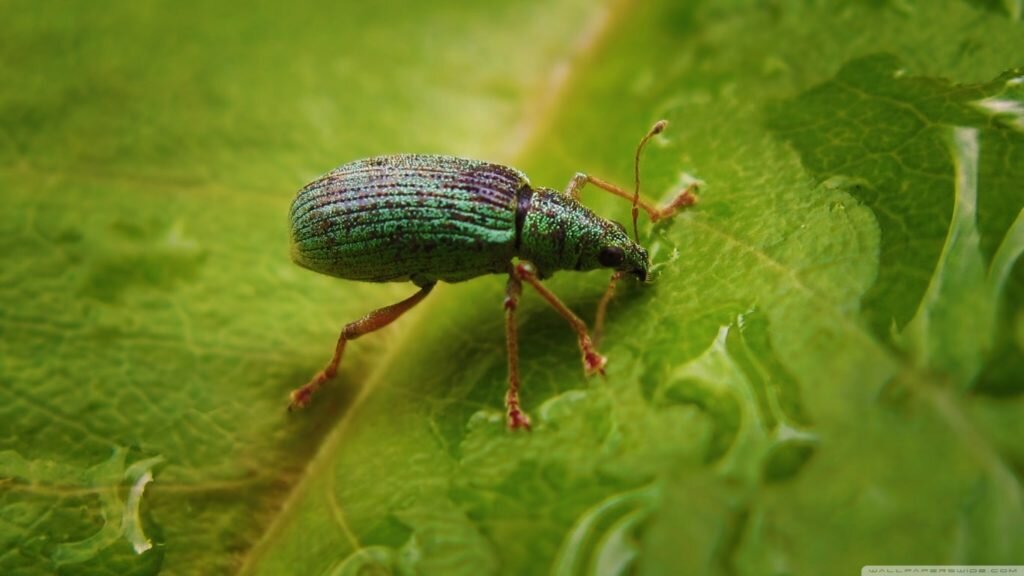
(517, 419)
(300, 398)
(682, 200)
(593, 363)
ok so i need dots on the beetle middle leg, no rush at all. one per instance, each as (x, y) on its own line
(379, 318)
(515, 417)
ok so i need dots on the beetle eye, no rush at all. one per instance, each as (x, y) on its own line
(610, 256)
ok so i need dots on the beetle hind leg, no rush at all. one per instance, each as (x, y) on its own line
(379, 318)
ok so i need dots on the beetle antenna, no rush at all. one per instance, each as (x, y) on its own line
(658, 127)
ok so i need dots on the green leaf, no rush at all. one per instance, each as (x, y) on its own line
(824, 374)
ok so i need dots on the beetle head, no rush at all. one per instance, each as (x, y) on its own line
(617, 251)
(558, 233)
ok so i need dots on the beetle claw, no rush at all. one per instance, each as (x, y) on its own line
(300, 398)
(593, 363)
(518, 420)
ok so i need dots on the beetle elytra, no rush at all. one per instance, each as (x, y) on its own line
(424, 219)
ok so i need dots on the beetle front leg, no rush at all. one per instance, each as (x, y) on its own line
(300, 397)
(515, 417)
(592, 361)
(602, 306)
(684, 198)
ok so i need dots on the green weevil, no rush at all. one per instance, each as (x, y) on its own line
(426, 218)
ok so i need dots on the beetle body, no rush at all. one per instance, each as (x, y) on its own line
(425, 218)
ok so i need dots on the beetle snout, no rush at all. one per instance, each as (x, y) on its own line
(641, 265)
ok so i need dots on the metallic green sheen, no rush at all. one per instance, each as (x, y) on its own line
(559, 233)
(425, 218)
(408, 217)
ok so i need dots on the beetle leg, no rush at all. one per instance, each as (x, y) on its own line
(685, 198)
(516, 418)
(592, 361)
(602, 306)
(379, 318)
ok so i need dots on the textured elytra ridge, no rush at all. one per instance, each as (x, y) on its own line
(426, 218)
(405, 217)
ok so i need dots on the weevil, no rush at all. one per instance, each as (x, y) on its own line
(425, 218)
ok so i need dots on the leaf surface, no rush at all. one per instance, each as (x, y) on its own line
(824, 373)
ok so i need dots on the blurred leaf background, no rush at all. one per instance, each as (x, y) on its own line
(826, 373)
